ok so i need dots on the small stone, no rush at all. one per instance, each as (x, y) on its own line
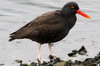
(57, 60)
(44, 62)
(70, 61)
(82, 51)
(51, 57)
(24, 65)
(99, 53)
(73, 54)
(77, 62)
(96, 58)
(61, 64)
(88, 61)
(33, 64)
(74, 51)
(18, 61)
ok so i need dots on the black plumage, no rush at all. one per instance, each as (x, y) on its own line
(49, 27)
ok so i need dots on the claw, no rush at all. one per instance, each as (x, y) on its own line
(51, 57)
(39, 62)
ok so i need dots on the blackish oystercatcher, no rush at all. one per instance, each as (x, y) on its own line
(50, 27)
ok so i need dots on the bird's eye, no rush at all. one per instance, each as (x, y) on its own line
(72, 6)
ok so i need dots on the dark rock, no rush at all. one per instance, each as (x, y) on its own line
(51, 57)
(33, 64)
(63, 63)
(94, 65)
(89, 62)
(56, 61)
(89, 59)
(46, 64)
(77, 62)
(82, 51)
(19, 61)
(96, 58)
(24, 65)
(74, 51)
(73, 54)
(99, 53)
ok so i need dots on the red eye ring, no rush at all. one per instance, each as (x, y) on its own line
(72, 6)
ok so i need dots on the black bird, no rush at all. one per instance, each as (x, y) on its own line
(50, 27)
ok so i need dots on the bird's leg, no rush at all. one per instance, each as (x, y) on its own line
(51, 57)
(50, 49)
(39, 56)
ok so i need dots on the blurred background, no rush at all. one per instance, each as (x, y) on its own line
(16, 13)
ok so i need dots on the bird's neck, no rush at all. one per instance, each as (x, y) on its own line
(67, 15)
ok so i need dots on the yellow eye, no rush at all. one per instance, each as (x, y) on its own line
(72, 6)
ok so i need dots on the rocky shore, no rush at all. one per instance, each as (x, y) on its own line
(56, 61)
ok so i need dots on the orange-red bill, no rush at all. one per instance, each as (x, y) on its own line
(83, 14)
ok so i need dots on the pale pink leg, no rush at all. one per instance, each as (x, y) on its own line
(50, 48)
(39, 56)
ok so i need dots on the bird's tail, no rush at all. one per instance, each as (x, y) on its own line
(12, 36)
(11, 39)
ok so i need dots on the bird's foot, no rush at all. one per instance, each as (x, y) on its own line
(39, 62)
(51, 57)
(54, 59)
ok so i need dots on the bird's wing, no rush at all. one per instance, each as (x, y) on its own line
(19, 33)
(40, 25)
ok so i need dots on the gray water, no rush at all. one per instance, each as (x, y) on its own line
(16, 13)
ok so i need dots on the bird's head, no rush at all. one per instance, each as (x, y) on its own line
(72, 8)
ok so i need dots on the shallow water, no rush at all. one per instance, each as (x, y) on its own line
(16, 13)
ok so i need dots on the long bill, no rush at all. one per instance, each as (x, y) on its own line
(83, 14)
